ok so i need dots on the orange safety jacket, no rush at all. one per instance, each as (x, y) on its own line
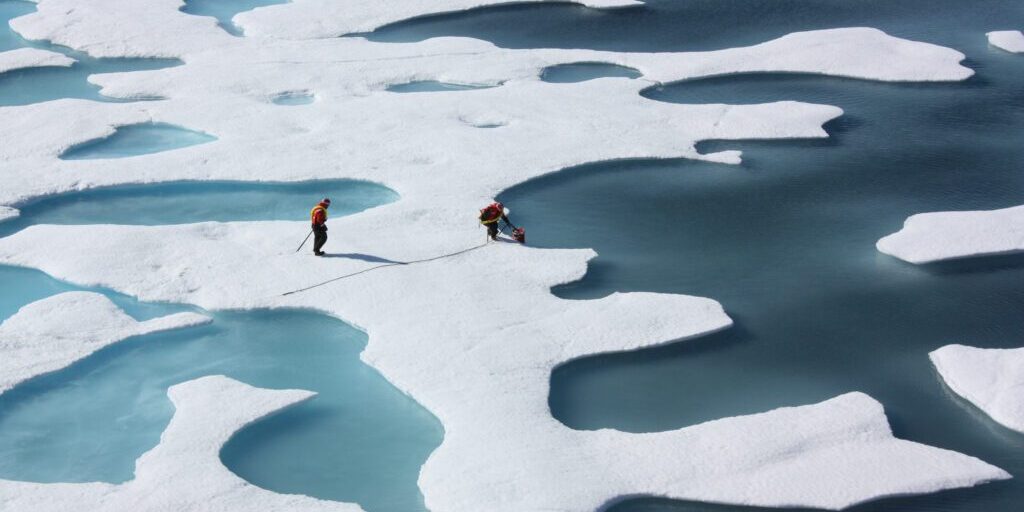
(318, 215)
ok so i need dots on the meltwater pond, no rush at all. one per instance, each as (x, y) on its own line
(225, 10)
(786, 240)
(34, 85)
(583, 71)
(360, 440)
(135, 140)
(434, 86)
(187, 202)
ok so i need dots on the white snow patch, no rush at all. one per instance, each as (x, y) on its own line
(184, 472)
(23, 58)
(52, 333)
(928, 237)
(8, 213)
(991, 379)
(1009, 40)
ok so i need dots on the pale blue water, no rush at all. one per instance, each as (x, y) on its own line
(292, 99)
(360, 440)
(785, 242)
(187, 202)
(581, 72)
(137, 139)
(434, 86)
(224, 10)
(23, 87)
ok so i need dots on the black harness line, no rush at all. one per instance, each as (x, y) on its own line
(400, 263)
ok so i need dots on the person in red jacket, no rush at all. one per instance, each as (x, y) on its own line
(490, 216)
(318, 216)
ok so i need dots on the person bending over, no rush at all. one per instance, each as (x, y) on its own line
(490, 216)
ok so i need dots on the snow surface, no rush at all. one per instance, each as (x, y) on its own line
(184, 472)
(991, 379)
(8, 213)
(1009, 40)
(929, 237)
(23, 58)
(473, 337)
(52, 333)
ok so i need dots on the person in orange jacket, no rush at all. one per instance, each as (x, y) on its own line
(318, 217)
(490, 216)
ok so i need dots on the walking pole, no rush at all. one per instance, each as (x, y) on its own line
(304, 241)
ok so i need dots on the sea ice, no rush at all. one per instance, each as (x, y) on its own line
(1009, 40)
(482, 365)
(353, 132)
(8, 213)
(23, 58)
(473, 343)
(928, 237)
(52, 333)
(991, 379)
(184, 472)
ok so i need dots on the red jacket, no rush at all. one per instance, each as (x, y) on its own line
(318, 215)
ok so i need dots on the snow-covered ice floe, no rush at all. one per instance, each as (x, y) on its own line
(23, 58)
(52, 333)
(1009, 40)
(184, 472)
(483, 366)
(991, 379)
(8, 213)
(928, 237)
(474, 349)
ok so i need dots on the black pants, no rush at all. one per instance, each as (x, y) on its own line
(319, 237)
(492, 230)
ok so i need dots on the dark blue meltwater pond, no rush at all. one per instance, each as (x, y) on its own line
(583, 71)
(786, 240)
